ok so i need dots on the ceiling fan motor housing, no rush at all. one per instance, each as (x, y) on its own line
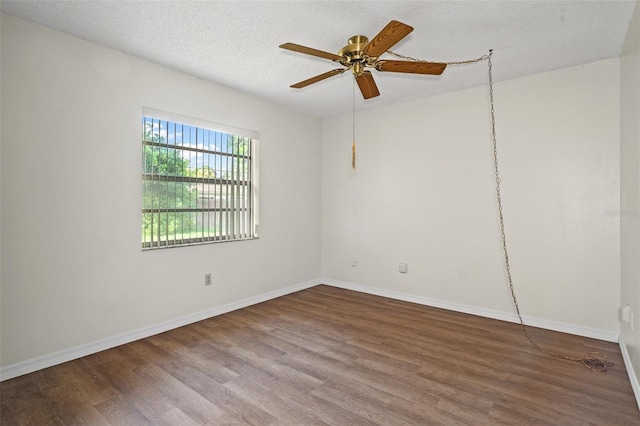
(353, 57)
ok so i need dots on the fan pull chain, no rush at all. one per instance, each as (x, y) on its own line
(353, 117)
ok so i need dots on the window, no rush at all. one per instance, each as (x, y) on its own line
(199, 185)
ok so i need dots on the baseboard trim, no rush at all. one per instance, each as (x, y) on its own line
(49, 360)
(633, 378)
(24, 367)
(595, 333)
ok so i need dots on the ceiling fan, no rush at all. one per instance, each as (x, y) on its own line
(360, 53)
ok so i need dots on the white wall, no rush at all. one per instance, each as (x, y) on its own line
(424, 193)
(72, 271)
(630, 188)
(72, 268)
(0, 182)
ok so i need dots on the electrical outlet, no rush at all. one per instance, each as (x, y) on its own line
(354, 262)
(402, 268)
(207, 279)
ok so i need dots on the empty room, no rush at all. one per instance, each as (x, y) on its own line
(320, 213)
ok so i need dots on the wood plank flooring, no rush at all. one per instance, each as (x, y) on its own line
(327, 356)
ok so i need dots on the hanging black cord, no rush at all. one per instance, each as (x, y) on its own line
(596, 361)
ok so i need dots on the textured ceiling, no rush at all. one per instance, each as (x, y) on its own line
(235, 43)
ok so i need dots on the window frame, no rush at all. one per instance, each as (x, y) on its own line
(235, 213)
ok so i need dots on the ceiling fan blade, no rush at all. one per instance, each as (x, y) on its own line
(309, 51)
(390, 35)
(433, 68)
(367, 85)
(318, 78)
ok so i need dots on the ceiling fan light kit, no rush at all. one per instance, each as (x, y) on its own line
(361, 53)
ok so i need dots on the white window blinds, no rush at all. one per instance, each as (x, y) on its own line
(199, 185)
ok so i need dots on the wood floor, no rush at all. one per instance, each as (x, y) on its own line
(330, 356)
